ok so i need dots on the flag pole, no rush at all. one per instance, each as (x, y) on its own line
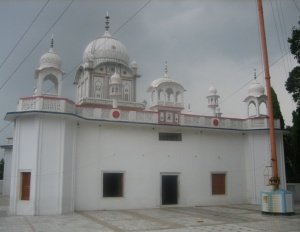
(274, 180)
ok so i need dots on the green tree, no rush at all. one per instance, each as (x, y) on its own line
(295, 43)
(292, 85)
(1, 168)
(276, 109)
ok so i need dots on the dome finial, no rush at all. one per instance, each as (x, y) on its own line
(255, 74)
(52, 42)
(107, 22)
(166, 69)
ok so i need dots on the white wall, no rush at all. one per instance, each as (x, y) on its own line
(56, 180)
(68, 184)
(258, 157)
(24, 158)
(44, 146)
(50, 166)
(138, 153)
(67, 161)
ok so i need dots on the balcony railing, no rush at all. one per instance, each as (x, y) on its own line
(62, 105)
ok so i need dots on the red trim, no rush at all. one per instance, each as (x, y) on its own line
(215, 122)
(116, 114)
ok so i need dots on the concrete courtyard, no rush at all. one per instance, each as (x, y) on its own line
(234, 218)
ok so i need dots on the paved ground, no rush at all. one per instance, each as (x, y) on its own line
(233, 218)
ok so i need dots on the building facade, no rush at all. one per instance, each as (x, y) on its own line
(107, 151)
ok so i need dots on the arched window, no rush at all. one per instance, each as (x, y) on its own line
(126, 92)
(170, 95)
(178, 96)
(98, 89)
(160, 95)
(263, 108)
(50, 85)
(252, 109)
(153, 96)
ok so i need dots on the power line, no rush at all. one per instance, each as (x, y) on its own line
(283, 30)
(35, 46)
(246, 83)
(296, 6)
(5, 127)
(278, 34)
(130, 18)
(25, 32)
(71, 71)
(115, 32)
(285, 35)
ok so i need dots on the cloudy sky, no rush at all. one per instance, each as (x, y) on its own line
(204, 41)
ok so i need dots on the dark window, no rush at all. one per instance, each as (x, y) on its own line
(25, 185)
(170, 136)
(218, 183)
(113, 184)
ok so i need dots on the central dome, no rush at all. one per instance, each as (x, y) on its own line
(106, 49)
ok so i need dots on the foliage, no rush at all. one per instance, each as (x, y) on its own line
(295, 43)
(276, 109)
(292, 85)
(292, 150)
(1, 168)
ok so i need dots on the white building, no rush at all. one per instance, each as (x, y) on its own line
(107, 151)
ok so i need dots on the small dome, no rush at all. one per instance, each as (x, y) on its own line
(256, 89)
(106, 49)
(50, 59)
(164, 80)
(212, 90)
(160, 81)
(115, 79)
(133, 64)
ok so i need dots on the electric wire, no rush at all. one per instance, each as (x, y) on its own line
(24, 33)
(72, 70)
(289, 59)
(278, 34)
(103, 43)
(5, 127)
(296, 6)
(36, 45)
(282, 30)
(258, 74)
(130, 18)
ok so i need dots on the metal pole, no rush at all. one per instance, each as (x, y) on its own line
(275, 178)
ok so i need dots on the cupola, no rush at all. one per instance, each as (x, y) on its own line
(213, 101)
(166, 92)
(49, 70)
(256, 100)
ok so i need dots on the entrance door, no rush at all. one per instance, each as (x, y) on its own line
(169, 189)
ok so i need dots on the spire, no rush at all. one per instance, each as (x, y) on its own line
(52, 42)
(166, 69)
(107, 22)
